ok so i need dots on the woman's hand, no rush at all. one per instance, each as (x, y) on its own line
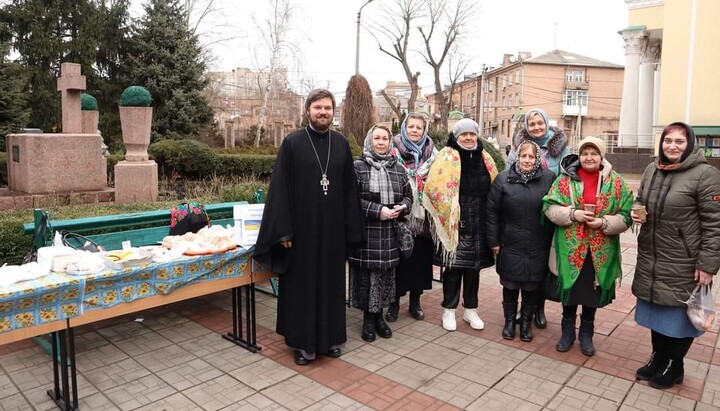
(495, 250)
(703, 277)
(595, 223)
(582, 216)
(635, 218)
(286, 244)
(388, 214)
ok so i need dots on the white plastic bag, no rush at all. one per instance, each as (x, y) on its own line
(701, 308)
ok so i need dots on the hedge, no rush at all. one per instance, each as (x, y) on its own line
(188, 158)
(259, 166)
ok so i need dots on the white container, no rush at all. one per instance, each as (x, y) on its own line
(55, 258)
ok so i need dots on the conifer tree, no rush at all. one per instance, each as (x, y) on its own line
(165, 57)
(14, 113)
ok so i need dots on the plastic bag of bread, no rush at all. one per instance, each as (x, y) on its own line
(701, 308)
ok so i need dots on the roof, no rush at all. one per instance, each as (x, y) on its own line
(565, 58)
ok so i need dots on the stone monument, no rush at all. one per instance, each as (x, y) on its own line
(136, 177)
(67, 163)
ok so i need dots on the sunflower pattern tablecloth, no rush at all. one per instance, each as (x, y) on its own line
(62, 296)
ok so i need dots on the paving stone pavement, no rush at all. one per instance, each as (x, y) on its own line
(173, 358)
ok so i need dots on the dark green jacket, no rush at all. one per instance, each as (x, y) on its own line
(682, 231)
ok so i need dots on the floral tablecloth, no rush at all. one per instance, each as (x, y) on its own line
(62, 296)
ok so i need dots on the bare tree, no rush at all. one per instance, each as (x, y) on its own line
(274, 34)
(457, 64)
(394, 30)
(447, 24)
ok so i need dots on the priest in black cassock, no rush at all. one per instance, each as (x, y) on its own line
(311, 220)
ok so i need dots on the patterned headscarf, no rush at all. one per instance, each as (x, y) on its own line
(527, 176)
(379, 178)
(415, 149)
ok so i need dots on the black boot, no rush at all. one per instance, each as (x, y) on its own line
(381, 327)
(658, 359)
(510, 309)
(392, 312)
(368, 328)
(540, 320)
(585, 336)
(677, 349)
(673, 374)
(568, 334)
(654, 366)
(526, 315)
(415, 309)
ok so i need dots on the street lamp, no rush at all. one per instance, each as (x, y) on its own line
(357, 39)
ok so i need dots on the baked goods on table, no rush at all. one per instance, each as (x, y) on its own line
(209, 240)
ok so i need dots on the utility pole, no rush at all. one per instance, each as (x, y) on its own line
(357, 39)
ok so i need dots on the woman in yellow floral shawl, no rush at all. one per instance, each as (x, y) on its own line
(590, 204)
(455, 195)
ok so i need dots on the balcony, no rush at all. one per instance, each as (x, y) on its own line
(576, 85)
(573, 110)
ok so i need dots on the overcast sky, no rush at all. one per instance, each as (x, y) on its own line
(326, 31)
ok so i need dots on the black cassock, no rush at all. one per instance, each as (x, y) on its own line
(322, 228)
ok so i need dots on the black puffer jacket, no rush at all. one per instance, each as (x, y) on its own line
(379, 248)
(514, 211)
(472, 250)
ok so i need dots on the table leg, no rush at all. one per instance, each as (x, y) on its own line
(64, 384)
(236, 336)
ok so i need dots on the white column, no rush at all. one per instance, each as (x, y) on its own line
(645, 104)
(634, 45)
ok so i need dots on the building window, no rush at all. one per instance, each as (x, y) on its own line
(577, 75)
(503, 103)
(517, 76)
(472, 99)
(517, 99)
(576, 98)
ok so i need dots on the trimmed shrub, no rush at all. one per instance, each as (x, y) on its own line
(439, 138)
(112, 160)
(3, 169)
(260, 166)
(188, 158)
(267, 150)
(136, 96)
(88, 102)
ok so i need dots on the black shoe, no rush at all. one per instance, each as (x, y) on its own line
(568, 334)
(392, 312)
(655, 365)
(673, 374)
(585, 335)
(368, 328)
(381, 328)
(526, 314)
(510, 311)
(334, 352)
(415, 310)
(300, 359)
(540, 320)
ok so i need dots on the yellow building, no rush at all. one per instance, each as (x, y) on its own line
(672, 60)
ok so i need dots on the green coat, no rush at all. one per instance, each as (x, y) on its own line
(682, 231)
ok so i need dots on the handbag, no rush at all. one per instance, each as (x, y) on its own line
(550, 287)
(405, 240)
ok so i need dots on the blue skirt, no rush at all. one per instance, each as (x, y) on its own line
(670, 321)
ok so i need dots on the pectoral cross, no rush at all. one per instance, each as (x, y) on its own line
(325, 183)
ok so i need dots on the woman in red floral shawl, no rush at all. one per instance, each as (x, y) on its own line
(590, 204)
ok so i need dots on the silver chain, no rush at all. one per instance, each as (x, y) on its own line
(327, 162)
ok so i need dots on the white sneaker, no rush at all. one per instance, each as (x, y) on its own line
(471, 316)
(448, 319)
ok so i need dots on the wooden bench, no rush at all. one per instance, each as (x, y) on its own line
(142, 229)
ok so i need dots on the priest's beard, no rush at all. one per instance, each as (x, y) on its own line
(320, 125)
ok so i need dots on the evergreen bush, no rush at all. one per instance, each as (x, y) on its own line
(354, 146)
(242, 191)
(189, 158)
(135, 96)
(257, 165)
(88, 102)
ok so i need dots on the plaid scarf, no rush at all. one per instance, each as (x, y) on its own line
(416, 177)
(442, 198)
(379, 178)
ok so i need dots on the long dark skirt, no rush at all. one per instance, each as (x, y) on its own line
(371, 290)
(416, 273)
(584, 291)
